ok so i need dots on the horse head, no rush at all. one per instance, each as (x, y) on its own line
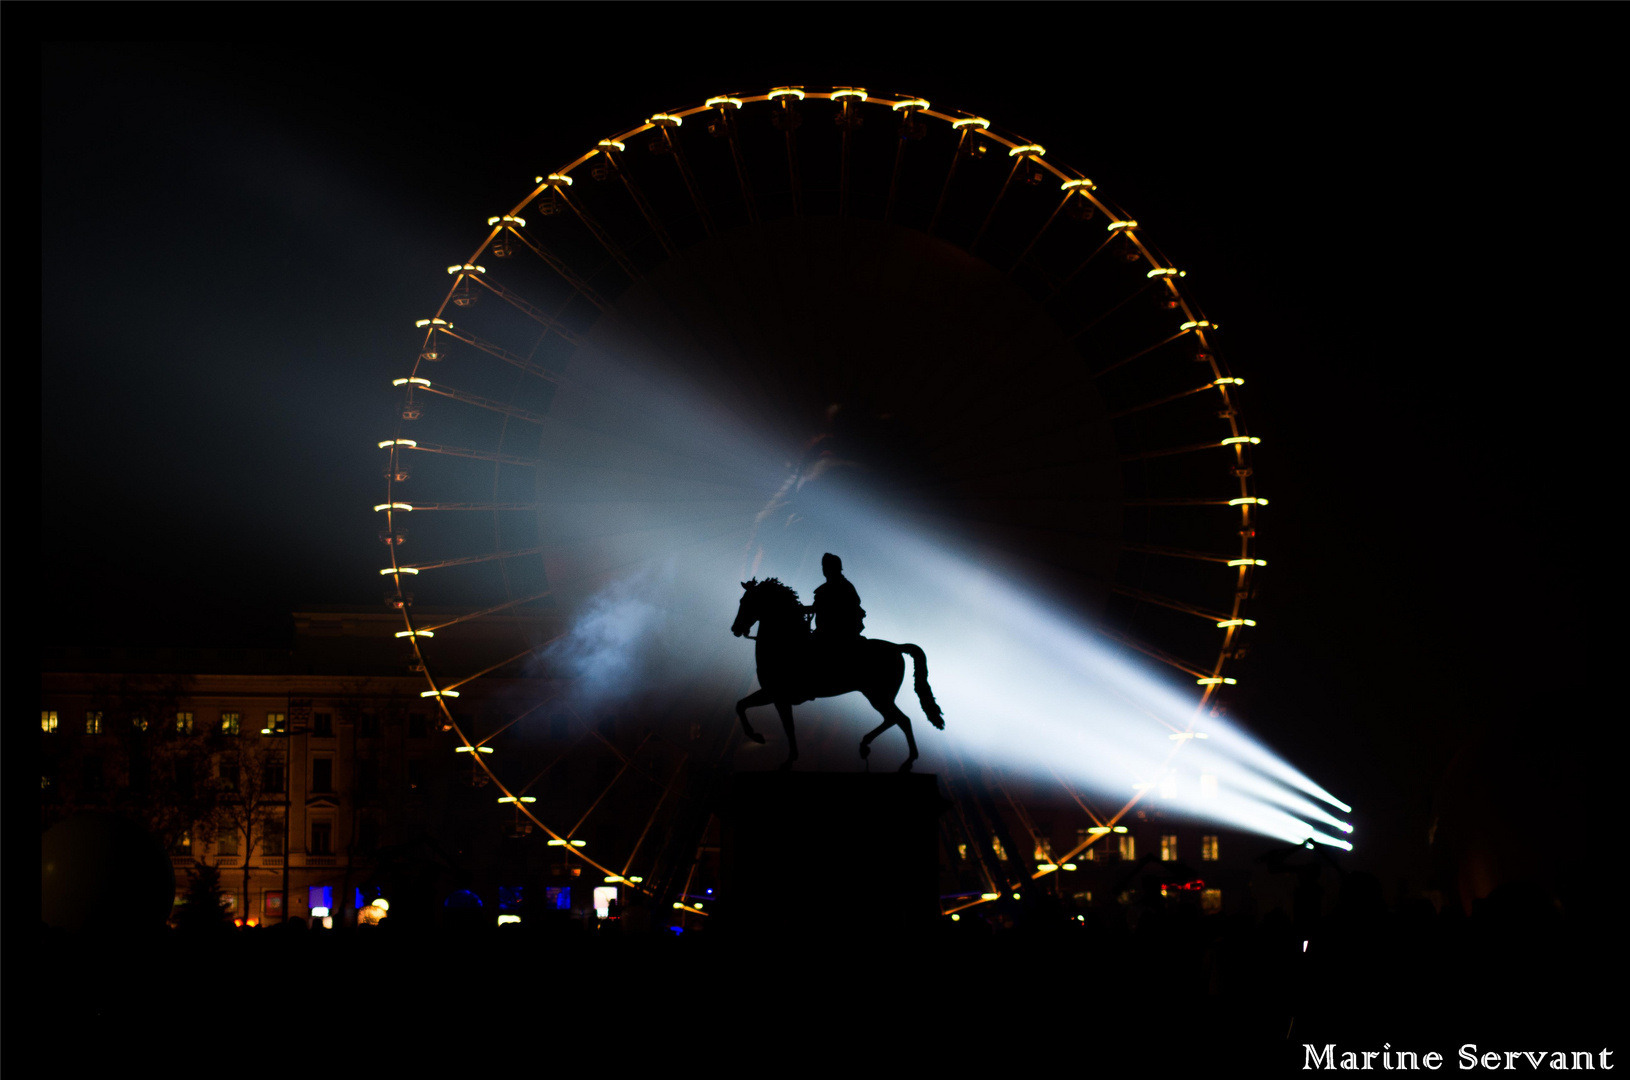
(746, 616)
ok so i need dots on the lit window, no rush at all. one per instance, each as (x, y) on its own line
(48, 722)
(320, 900)
(1044, 851)
(93, 723)
(231, 723)
(558, 897)
(322, 774)
(1129, 847)
(322, 725)
(996, 846)
(1168, 849)
(183, 843)
(183, 723)
(228, 771)
(277, 723)
(227, 844)
(322, 838)
(1208, 848)
(139, 723)
(1208, 785)
(604, 897)
(271, 839)
(1210, 901)
(962, 851)
(510, 897)
(1082, 835)
(271, 779)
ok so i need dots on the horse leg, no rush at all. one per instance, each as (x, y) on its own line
(866, 740)
(792, 738)
(911, 741)
(757, 697)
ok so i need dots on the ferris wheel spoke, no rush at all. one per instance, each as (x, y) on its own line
(1167, 400)
(627, 761)
(1153, 652)
(788, 120)
(1001, 193)
(1172, 451)
(1168, 602)
(490, 506)
(615, 161)
(1034, 240)
(667, 790)
(478, 455)
(495, 609)
(466, 560)
(600, 234)
(504, 354)
(677, 152)
(480, 402)
(561, 267)
(530, 310)
(1184, 553)
(1094, 323)
(502, 663)
(1071, 276)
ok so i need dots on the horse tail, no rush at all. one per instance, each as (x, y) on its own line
(931, 708)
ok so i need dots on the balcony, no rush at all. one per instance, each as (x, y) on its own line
(318, 860)
(183, 862)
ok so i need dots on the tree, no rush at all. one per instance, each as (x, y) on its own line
(250, 786)
(204, 907)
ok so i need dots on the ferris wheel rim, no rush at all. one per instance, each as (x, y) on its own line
(1073, 185)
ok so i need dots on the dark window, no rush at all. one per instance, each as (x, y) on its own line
(416, 776)
(185, 778)
(272, 779)
(322, 774)
(322, 838)
(271, 838)
(368, 726)
(367, 778)
(227, 843)
(93, 774)
(418, 725)
(368, 833)
(229, 776)
(322, 725)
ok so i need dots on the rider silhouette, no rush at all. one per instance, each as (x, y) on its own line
(837, 610)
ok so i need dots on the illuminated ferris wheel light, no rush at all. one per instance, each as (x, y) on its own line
(1251, 439)
(849, 92)
(1247, 562)
(1166, 271)
(439, 322)
(387, 443)
(1115, 225)
(393, 506)
(472, 749)
(787, 91)
(1229, 380)
(1215, 680)
(970, 121)
(517, 798)
(466, 268)
(1071, 185)
(1034, 149)
(398, 570)
(414, 381)
(507, 219)
(438, 693)
(1198, 324)
(604, 144)
(1236, 622)
(1249, 500)
(910, 103)
(720, 102)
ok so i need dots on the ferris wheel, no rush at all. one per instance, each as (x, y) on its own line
(840, 276)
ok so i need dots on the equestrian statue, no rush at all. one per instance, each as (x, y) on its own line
(796, 664)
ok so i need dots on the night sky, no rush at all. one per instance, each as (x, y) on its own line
(1396, 228)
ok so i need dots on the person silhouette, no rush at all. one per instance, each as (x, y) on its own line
(839, 618)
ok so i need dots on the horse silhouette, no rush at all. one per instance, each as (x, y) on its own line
(793, 670)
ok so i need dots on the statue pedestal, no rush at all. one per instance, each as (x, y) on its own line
(816, 854)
